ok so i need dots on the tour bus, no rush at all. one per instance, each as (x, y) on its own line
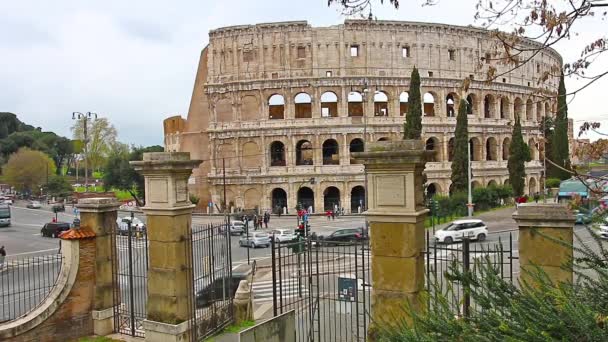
(5, 215)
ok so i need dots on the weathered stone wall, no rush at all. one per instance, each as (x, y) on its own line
(232, 116)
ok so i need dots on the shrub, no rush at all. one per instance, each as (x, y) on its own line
(553, 182)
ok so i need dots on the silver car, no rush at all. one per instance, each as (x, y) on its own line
(255, 239)
(283, 235)
(237, 227)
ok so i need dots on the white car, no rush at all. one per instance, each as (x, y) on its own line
(237, 227)
(603, 232)
(136, 225)
(457, 230)
(34, 205)
(283, 235)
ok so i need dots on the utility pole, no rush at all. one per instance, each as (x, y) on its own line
(469, 198)
(85, 118)
(544, 163)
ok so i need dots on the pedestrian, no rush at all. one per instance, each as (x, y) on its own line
(260, 221)
(255, 222)
(2, 257)
(328, 214)
(333, 215)
(266, 221)
(536, 197)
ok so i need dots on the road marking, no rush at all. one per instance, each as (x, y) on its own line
(34, 252)
(262, 290)
(28, 224)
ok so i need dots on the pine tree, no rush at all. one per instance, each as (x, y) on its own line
(413, 119)
(519, 153)
(559, 144)
(460, 161)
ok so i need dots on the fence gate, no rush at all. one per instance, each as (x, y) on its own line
(328, 285)
(130, 276)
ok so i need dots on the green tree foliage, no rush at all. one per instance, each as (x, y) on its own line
(559, 144)
(504, 311)
(26, 170)
(59, 186)
(461, 144)
(101, 137)
(413, 119)
(119, 174)
(60, 149)
(10, 124)
(519, 153)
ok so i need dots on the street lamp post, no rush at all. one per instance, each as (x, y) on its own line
(85, 117)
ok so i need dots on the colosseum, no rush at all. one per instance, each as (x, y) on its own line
(277, 109)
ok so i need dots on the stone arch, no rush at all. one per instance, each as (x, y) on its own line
(227, 153)
(279, 200)
(355, 104)
(380, 104)
(488, 106)
(451, 105)
(506, 146)
(252, 198)
(276, 107)
(476, 150)
(492, 183)
(356, 145)
(451, 149)
(223, 110)
(331, 152)
(471, 104)
(304, 153)
(404, 100)
(277, 154)
(532, 187)
(250, 155)
(329, 105)
(331, 198)
(539, 112)
(432, 144)
(429, 103)
(475, 184)
(518, 108)
(384, 139)
(504, 107)
(491, 149)
(306, 198)
(506, 182)
(250, 108)
(432, 190)
(357, 199)
(529, 110)
(303, 106)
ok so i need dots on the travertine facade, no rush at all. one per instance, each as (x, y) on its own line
(280, 103)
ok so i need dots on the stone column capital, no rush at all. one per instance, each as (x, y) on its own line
(97, 205)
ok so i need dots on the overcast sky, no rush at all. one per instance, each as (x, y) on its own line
(134, 62)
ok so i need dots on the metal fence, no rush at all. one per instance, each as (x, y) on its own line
(327, 285)
(26, 282)
(212, 283)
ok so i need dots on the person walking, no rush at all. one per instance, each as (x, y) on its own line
(328, 214)
(333, 214)
(255, 222)
(266, 221)
(2, 257)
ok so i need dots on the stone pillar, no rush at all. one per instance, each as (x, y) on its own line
(169, 217)
(99, 215)
(396, 214)
(538, 222)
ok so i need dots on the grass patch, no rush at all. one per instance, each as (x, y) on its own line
(235, 328)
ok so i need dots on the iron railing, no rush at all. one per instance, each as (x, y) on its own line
(26, 282)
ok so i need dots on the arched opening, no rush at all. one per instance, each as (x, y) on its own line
(279, 200)
(488, 106)
(357, 199)
(303, 106)
(492, 184)
(475, 184)
(451, 149)
(356, 145)
(532, 186)
(331, 152)
(529, 110)
(277, 154)
(504, 108)
(533, 149)
(450, 105)
(429, 104)
(384, 139)
(304, 153)
(306, 198)
(276, 107)
(329, 105)
(505, 148)
(250, 109)
(539, 112)
(432, 190)
(432, 144)
(491, 147)
(475, 147)
(331, 198)
(380, 104)
(355, 104)
(518, 108)
(404, 100)
(471, 104)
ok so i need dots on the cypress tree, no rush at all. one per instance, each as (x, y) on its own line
(519, 153)
(559, 144)
(461, 144)
(413, 119)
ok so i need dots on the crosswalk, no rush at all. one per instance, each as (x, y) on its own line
(262, 290)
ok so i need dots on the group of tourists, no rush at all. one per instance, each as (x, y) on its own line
(259, 221)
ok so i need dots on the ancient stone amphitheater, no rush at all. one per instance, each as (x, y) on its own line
(277, 104)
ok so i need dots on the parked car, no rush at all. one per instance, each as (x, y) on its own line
(136, 225)
(255, 239)
(237, 227)
(222, 287)
(76, 222)
(582, 217)
(344, 235)
(603, 231)
(53, 229)
(457, 230)
(283, 235)
(34, 205)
